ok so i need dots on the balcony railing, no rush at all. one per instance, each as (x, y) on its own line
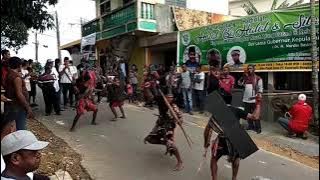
(137, 15)
(91, 27)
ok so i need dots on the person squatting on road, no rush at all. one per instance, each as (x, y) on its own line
(164, 131)
(221, 145)
(298, 118)
(84, 90)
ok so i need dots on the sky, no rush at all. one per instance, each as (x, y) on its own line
(69, 11)
(219, 7)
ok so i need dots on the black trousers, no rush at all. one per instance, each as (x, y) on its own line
(50, 97)
(249, 108)
(68, 93)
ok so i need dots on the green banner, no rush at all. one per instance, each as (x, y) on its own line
(278, 36)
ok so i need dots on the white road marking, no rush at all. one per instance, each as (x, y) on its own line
(262, 162)
(227, 166)
(60, 123)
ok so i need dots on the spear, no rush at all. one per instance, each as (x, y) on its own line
(176, 118)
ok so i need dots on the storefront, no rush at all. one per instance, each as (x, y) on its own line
(278, 43)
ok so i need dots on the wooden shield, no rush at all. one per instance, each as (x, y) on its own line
(230, 125)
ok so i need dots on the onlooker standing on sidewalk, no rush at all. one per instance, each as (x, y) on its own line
(46, 83)
(213, 79)
(16, 91)
(66, 79)
(134, 80)
(186, 88)
(226, 84)
(26, 77)
(298, 118)
(253, 86)
(33, 83)
(198, 89)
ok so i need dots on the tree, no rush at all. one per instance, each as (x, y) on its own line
(250, 9)
(315, 60)
(18, 16)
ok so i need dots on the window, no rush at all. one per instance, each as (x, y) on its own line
(147, 11)
(105, 7)
(296, 81)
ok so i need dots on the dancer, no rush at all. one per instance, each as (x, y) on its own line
(221, 145)
(164, 131)
(116, 97)
(85, 103)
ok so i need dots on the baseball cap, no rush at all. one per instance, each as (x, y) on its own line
(302, 97)
(21, 139)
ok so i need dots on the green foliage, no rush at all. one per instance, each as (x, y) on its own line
(250, 9)
(20, 16)
(37, 67)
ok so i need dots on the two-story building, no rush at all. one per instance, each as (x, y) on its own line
(145, 31)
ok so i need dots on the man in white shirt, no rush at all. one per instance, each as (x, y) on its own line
(253, 86)
(67, 77)
(198, 89)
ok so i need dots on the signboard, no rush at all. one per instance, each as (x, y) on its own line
(88, 47)
(278, 40)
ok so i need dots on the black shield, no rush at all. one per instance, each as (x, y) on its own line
(230, 125)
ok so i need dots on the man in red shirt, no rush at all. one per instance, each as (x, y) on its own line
(226, 84)
(298, 118)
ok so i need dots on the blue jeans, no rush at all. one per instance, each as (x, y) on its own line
(199, 99)
(21, 118)
(187, 98)
(284, 122)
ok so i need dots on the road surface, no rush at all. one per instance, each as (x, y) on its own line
(115, 150)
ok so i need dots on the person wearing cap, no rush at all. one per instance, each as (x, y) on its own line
(298, 118)
(21, 154)
(8, 125)
(16, 91)
(164, 131)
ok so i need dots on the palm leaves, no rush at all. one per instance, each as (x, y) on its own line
(250, 9)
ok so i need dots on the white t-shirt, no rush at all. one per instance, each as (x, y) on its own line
(26, 78)
(70, 72)
(199, 86)
(3, 167)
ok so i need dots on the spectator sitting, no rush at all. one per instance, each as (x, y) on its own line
(298, 118)
(21, 155)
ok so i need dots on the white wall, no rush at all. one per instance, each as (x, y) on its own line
(214, 6)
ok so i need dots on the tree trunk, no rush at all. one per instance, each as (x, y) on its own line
(315, 58)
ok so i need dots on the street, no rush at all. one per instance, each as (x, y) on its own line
(115, 150)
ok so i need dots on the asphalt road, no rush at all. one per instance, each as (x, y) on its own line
(115, 150)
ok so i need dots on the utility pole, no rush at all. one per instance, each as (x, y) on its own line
(58, 35)
(36, 45)
(315, 59)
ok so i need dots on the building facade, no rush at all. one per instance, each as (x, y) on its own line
(144, 32)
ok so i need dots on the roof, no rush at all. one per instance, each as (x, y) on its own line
(70, 45)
